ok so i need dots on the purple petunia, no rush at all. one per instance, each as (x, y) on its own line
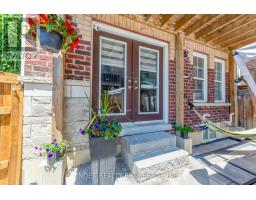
(82, 131)
(40, 154)
(112, 128)
(50, 155)
(36, 148)
(47, 150)
(97, 126)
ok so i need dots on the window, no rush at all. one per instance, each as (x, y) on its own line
(209, 135)
(219, 80)
(200, 77)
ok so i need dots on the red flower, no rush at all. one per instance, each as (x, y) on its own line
(45, 18)
(75, 43)
(34, 34)
(38, 22)
(70, 28)
(31, 21)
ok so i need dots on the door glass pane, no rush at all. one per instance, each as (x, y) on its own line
(148, 89)
(112, 82)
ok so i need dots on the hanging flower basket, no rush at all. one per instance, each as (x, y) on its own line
(50, 41)
(54, 33)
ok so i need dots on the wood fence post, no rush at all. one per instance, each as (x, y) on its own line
(180, 43)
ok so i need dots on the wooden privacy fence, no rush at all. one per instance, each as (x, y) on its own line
(11, 108)
(246, 111)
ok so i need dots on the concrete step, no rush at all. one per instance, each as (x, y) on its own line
(147, 142)
(154, 163)
(152, 154)
(136, 128)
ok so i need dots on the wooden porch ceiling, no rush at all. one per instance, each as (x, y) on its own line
(226, 32)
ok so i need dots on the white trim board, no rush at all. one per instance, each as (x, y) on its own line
(211, 104)
(148, 40)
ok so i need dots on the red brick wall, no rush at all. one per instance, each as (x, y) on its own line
(188, 89)
(172, 92)
(218, 113)
(227, 87)
(78, 60)
(211, 85)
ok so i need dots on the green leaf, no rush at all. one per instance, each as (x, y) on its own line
(49, 27)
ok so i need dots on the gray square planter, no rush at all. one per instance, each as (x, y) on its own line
(103, 160)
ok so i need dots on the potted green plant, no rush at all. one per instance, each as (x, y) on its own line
(184, 130)
(103, 133)
(54, 33)
(53, 151)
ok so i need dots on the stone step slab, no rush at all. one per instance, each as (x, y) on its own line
(147, 142)
(153, 164)
(137, 128)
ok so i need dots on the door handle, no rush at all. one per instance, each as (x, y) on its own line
(129, 87)
(136, 88)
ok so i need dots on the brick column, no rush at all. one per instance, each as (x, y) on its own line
(211, 85)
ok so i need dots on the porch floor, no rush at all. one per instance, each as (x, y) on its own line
(233, 161)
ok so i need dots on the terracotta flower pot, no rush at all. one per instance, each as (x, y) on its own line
(103, 160)
(50, 41)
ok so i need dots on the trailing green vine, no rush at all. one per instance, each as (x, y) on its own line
(10, 43)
